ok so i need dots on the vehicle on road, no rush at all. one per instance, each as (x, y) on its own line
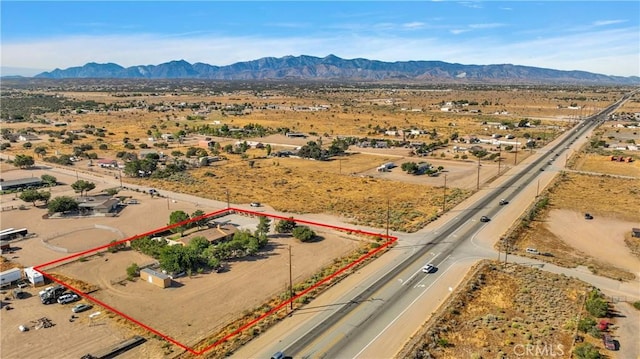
(81, 308)
(588, 216)
(429, 268)
(484, 219)
(503, 202)
(255, 204)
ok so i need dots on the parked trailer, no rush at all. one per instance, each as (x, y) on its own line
(13, 234)
(9, 276)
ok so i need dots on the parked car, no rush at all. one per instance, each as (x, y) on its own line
(81, 308)
(429, 268)
(532, 251)
(68, 298)
(255, 204)
(484, 219)
(608, 342)
(503, 202)
(588, 216)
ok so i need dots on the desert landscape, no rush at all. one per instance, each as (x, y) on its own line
(244, 136)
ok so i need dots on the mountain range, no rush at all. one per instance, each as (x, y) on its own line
(335, 68)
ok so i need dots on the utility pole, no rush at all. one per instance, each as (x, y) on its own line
(478, 180)
(444, 196)
(506, 250)
(515, 158)
(290, 280)
(538, 188)
(388, 215)
(120, 176)
(228, 203)
(499, 157)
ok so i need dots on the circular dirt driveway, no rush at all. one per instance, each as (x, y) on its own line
(84, 239)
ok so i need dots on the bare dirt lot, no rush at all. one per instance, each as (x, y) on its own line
(340, 187)
(601, 237)
(66, 339)
(196, 306)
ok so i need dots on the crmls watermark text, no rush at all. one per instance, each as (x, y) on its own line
(539, 350)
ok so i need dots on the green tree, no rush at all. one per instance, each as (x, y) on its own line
(586, 351)
(177, 217)
(268, 149)
(199, 244)
(41, 151)
(263, 227)
(410, 167)
(82, 186)
(140, 168)
(304, 233)
(171, 259)
(30, 195)
(585, 324)
(62, 204)
(285, 225)
(133, 271)
(112, 191)
(596, 305)
(200, 222)
(45, 196)
(23, 161)
(49, 180)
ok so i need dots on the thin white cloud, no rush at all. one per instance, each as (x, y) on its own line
(414, 25)
(471, 4)
(611, 52)
(486, 26)
(288, 25)
(608, 22)
(458, 31)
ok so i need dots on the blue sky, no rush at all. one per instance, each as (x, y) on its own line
(595, 36)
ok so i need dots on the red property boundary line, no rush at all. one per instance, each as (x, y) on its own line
(389, 240)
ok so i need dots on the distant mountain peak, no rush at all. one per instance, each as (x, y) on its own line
(332, 67)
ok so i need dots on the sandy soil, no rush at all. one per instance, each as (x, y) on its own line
(194, 307)
(86, 335)
(224, 295)
(601, 238)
